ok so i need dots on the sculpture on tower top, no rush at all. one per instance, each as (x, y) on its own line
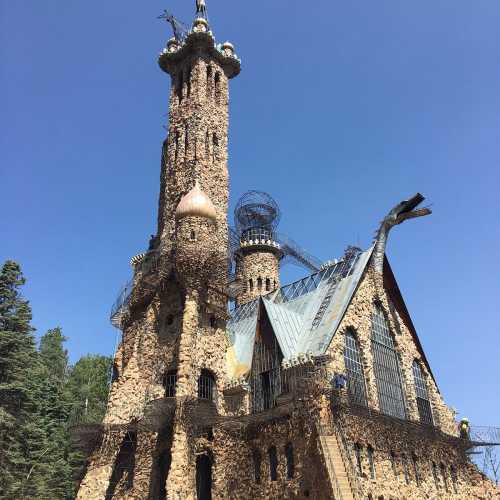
(201, 8)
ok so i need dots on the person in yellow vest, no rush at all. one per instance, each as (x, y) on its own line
(464, 428)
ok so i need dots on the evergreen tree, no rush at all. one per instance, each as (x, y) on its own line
(18, 359)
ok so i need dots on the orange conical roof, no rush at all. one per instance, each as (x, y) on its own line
(196, 204)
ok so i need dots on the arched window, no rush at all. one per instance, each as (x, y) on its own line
(435, 475)
(188, 81)
(423, 403)
(186, 139)
(445, 477)
(123, 470)
(404, 463)
(192, 235)
(273, 463)
(453, 475)
(207, 144)
(416, 472)
(180, 85)
(259, 284)
(257, 460)
(170, 383)
(209, 79)
(206, 386)
(268, 285)
(290, 464)
(115, 373)
(386, 367)
(394, 464)
(371, 462)
(217, 87)
(359, 463)
(354, 369)
(250, 284)
(215, 143)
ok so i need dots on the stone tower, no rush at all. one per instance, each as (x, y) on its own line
(174, 316)
(259, 253)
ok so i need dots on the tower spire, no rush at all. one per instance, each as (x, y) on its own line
(201, 9)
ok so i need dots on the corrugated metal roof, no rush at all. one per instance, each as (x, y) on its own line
(304, 315)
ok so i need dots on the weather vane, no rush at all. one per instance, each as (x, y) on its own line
(201, 8)
(180, 29)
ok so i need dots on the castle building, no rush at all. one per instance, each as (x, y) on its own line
(316, 389)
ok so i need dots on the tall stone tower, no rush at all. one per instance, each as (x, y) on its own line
(172, 354)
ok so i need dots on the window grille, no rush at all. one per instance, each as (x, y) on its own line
(359, 463)
(414, 460)
(386, 367)
(423, 403)
(404, 462)
(290, 464)
(445, 477)
(435, 475)
(354, 370)
(170, 383)
(206, 386)
(273, 463)
(257, 460)
(371, 462)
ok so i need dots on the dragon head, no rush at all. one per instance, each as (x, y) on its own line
(405, 210)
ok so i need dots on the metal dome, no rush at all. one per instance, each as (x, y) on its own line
(256, 209)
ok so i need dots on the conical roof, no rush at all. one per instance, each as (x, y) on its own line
(196, 204)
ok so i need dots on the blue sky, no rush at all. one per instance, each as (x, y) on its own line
(342, 109)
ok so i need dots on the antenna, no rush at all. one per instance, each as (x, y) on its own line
(178, 27)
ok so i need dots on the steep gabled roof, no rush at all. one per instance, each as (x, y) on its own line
(304, 315)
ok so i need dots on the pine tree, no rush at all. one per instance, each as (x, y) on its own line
(18, 358)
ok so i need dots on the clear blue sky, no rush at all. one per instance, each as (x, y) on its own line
(341, 110)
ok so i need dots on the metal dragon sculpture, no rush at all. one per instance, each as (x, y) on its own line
(404, 210)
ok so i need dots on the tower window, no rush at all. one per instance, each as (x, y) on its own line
(354, 369)
(213, 322)
(170, 383)
(206, 386)
(176, 144)
(268, 285)
(386, 367)
(188, 81)
(453, 474)
(423, 403)
(259, 284)
(290, 463)
(215, 143)
(394, 464)
(414, 459)
(209, 79)
(180, 85)
(404, 462)
(192, 235)
(273, 463)
(359, 463)
(445, 477)
(217, 87)
(250, 284)
(435, 475)
(207, 144)
(186, 139)
(371, 462)
(257, 460)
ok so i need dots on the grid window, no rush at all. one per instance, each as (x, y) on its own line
(423, 403)
(169, 383)
(354, 370)
(386, 367)
(206, 386)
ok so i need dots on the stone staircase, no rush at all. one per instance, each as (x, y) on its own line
(336, 469)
